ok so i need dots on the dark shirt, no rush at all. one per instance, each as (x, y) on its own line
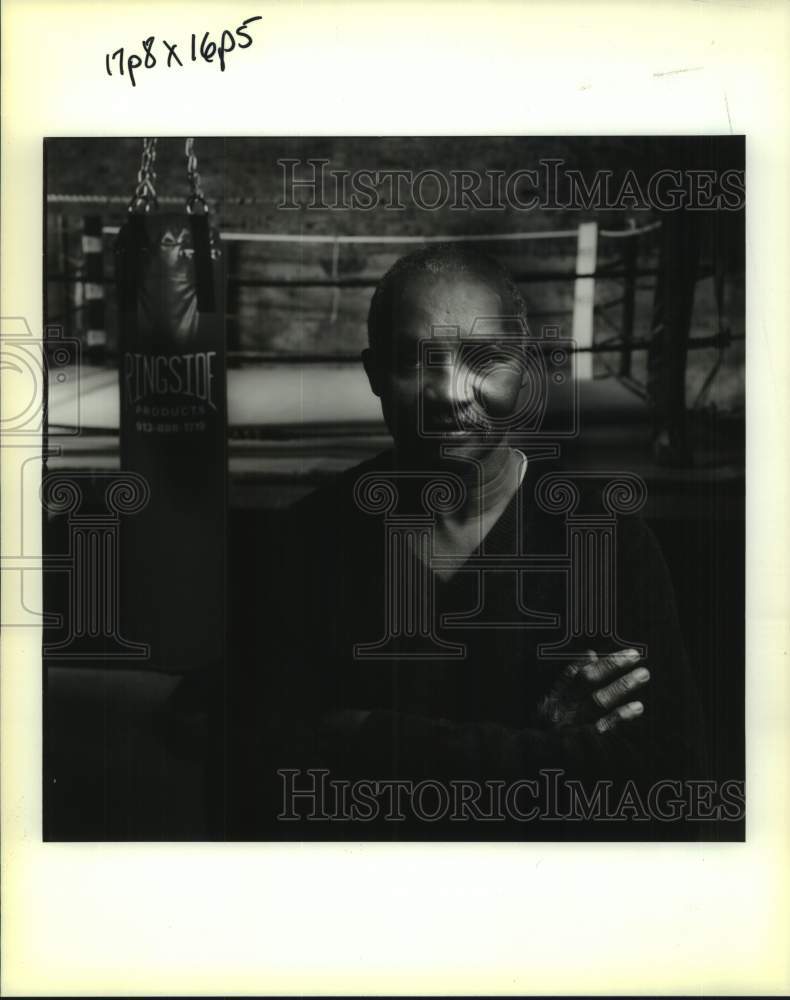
(462, 701)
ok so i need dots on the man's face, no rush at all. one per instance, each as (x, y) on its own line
(462, 390)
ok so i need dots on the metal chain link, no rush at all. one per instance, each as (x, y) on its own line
(144, 197)
(196, 200)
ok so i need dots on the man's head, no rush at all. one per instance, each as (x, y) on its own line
(445, 329)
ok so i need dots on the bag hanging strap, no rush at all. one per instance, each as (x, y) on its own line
(143, 201)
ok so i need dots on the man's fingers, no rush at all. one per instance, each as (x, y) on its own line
(574, 669)
(625, 713)
(616, 692)
(603, 668)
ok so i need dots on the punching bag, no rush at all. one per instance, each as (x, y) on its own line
(173, 431)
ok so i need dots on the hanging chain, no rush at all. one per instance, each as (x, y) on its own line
(196, 200)
(144, 197)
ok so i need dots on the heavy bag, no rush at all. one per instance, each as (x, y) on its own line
(173, 431)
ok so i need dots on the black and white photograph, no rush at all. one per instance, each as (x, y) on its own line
(393, 488)
(394, 469)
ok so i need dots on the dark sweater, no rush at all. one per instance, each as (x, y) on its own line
(450, 718)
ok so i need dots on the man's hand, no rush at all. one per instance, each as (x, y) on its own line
(597, 690)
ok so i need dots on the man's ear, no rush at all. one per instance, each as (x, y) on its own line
(370, 364)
